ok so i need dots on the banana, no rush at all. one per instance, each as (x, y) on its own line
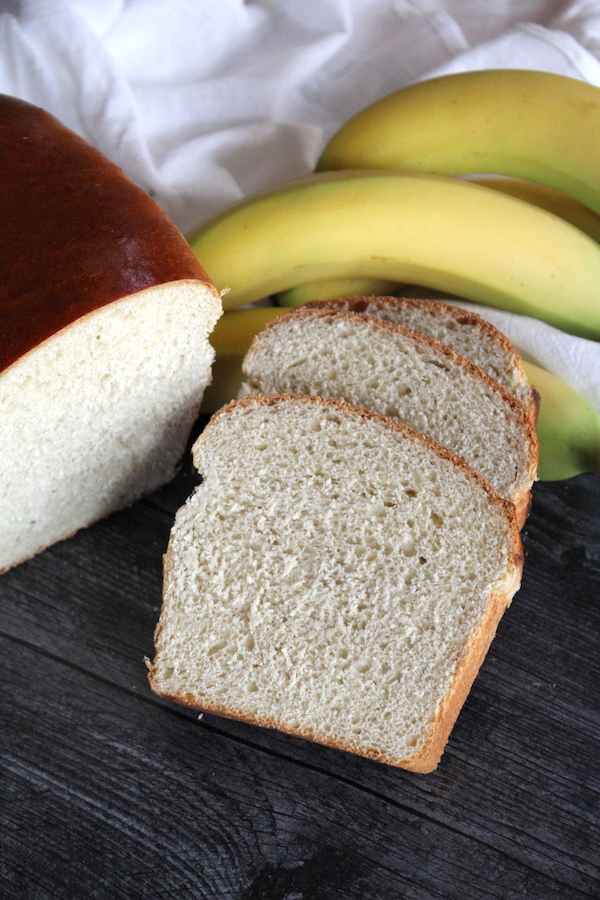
(548, 198)
(231, 339)
(528, 124)
(329, 288)
(233, 333)
(568, 428)
(442, 233)
(541, 195)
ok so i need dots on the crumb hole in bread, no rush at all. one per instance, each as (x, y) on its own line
(437, 519)
(217, 647)
(410, 493)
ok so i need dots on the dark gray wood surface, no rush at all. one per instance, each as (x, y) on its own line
(108, 792)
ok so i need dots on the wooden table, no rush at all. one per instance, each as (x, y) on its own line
(108, 792)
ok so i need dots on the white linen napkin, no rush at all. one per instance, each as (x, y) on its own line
(203, 102)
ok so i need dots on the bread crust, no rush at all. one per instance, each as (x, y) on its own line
(78, 234)
(522, 492)
(468, 667)
(427, 755)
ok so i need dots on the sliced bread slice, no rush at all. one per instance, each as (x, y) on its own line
(463, 331)
(404, 374)
(336, 575)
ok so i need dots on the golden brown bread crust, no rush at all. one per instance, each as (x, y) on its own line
(77, 234)
(473, 657)
(428, 755)
(360, 303)
(522, 493)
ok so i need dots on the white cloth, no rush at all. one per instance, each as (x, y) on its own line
(205, 101)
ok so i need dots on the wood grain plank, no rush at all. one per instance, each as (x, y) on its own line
(511, 812)
(109, 795)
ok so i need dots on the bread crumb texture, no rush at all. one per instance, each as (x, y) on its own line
(464, 332)
(328, 576)
(401, 374)
(99, 414)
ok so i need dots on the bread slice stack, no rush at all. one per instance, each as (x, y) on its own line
(464, 331)
(364, 359)
(104, 352)
(337, 576)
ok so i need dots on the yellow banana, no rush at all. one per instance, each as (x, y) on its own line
(545, 197)
(541, 195)
(568, 428)
(233, 333)
(329, 288)
(231, 339)
(442, 233)
(528, 124)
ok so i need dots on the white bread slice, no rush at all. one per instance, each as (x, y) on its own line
(405, 374)
(336, 576)
(104, 321)
(465, 332)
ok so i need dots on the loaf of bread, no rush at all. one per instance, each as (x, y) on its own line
(404, 374)
(104, 321)
(462, 330)
(336, 575)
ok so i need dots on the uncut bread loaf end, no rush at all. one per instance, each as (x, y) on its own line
(336, 576)
(104, 321)
(404, 374)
